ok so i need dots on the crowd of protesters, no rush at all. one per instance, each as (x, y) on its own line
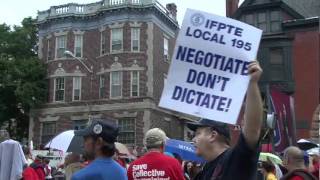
(295, 166)
(101, 160)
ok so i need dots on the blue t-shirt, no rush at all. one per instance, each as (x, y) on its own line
(101, 169)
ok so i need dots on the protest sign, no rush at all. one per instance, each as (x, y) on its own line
(208, 75)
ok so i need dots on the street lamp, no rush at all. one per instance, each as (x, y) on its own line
(91, 77)
(72, 55)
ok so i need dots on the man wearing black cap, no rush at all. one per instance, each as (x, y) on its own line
(212, 139)
(99, 140)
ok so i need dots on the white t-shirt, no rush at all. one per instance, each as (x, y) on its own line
(12, 160)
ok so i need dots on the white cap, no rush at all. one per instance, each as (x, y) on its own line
(155, 137)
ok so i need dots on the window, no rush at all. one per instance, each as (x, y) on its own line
(249, 19)
(78, 45)
(126, 130)
(262, 21)
(166, 49)
(116, 39)
(80, 124)
(61, 44)
(276, 56)
(134, 83)
(101, 86)
(277, 71)
(103, 48)
(49, 52)
(268, 21)
(135, 39)
(116, 89)
(275, 21)
(76, 88)
(166, 126)
(48, 131)
(59, 89)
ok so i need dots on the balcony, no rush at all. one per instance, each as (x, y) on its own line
(92, 8)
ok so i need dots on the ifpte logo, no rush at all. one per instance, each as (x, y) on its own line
(197, 19)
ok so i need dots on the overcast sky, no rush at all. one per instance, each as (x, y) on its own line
(12, 12)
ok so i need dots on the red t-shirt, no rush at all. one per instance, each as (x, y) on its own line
(29, 174)
(41, 173)
(155, 164)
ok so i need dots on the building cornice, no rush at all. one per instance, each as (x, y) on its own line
(173, 23)
(78, 32)
(135, 24)
(246, 7)
(94, 107)
(146, 104)
(116, 25)
(68, 75)
(125, 114)
(49, 118)
(309, 22)
(61, 33)
(60, 72)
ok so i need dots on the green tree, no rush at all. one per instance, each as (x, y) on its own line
(22, 77)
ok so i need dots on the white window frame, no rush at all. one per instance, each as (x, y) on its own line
(102, 85)
(81, 45)
(124, 130)
(166, 49)
(57, 46)
(73, 88)
(111, 39)
(265, 22)
(43, 133)
(103, 40)
(54, 89)
(131, 83)
(135, 36)
(49, 50)
(111, 74)
(277, 21)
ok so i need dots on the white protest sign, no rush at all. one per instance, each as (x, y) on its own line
(208, 75)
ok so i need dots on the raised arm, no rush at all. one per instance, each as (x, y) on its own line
(253, 116)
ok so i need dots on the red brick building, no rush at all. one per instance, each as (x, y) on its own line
(125, 47)
(289, 52)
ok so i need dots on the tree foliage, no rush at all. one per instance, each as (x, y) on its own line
(22, 77)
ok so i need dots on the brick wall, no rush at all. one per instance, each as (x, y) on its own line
(168, 123)
(91, 55)
(315, 128)
(306, 75)
(161, 66)
(65, 123)
(90, 83)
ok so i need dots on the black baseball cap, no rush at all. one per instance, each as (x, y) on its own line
(221, 128)
(100, 128)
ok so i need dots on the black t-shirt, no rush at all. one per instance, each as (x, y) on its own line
(239, 162)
